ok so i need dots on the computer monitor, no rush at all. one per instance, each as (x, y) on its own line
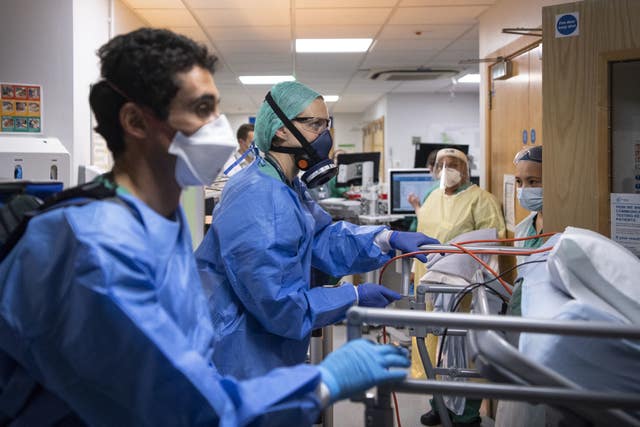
(424, 149)
(403, 182)
(350, 167)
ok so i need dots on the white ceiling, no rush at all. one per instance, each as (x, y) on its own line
(257, 37)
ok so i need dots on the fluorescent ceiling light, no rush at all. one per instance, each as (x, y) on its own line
(470, 78)
(265, 80)
(330, 98)
(333, 45)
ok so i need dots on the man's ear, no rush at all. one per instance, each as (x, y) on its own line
(133, 121)
(281, 133)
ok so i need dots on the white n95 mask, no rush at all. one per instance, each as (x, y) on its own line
(449, 177)
(202, 154)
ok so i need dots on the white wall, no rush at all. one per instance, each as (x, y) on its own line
(509, 14)
(347, 133)
(430, 117)
(503, 14)
(124, 20)
(37, 48)
(90, 31)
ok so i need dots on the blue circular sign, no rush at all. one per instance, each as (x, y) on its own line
(567, 24)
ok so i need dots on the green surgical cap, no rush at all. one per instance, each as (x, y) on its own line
(292, 98)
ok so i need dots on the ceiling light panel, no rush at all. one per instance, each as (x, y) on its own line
(168, 17)
(470, 78)
(337, 31)
(242, 17)
(348, 16)
(331, 98)
(332, 45)
(264, 80)
(436, 15)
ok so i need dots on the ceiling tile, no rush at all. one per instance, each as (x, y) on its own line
(423, 86)
(405, 3)
(465, 45)
(166, 18)
(254, 46)
(331, 4)
(237, 4)
(249, 33)
(412, 45)
(194, 33)
(257, 59)
(330, 17)
(397, 59)
(453, 56)
(154, 4)
(437, 15)
(243, 17)
(390, 32)
(337, 62)
(336, 31)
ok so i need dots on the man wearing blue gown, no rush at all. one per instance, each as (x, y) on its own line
(266, 235)
(103, 320)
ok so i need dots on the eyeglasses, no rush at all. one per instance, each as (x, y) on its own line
(533, 154)
(313, 124)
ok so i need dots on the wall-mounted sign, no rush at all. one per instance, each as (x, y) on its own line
(568, 25)
(625, 220)
(21, 108)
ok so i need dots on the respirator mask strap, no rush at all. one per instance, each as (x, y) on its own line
(306, 155)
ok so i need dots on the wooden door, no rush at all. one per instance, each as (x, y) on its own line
(515, 109)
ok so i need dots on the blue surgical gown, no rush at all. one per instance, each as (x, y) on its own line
(255, 264)
(102, 305)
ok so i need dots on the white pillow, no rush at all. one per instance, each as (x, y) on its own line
(597, 271)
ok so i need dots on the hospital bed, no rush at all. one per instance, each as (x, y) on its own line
(512, 375)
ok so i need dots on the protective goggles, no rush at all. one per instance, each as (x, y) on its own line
(533, 154)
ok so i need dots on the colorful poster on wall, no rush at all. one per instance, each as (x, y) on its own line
(21, 108)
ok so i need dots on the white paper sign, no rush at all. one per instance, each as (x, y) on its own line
(625, 220)
(509, 201)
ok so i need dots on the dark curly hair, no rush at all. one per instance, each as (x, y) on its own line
(143, 64)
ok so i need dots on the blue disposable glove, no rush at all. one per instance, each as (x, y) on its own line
(359, 365)
(407, 241)
(372, 295)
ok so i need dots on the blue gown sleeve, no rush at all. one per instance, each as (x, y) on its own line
(343, 248)
(266, 259)
(93, 332)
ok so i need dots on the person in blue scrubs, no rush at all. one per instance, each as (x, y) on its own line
(266, 235)
(103, 320)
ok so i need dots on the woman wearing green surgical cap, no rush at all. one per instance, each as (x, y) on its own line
(266, 235)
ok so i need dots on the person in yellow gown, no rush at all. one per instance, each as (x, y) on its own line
(456, 207)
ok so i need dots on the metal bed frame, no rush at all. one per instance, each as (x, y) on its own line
(514, 377)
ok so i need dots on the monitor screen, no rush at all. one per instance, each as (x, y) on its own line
(403, 182)
(424, 149)
(350, 168)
